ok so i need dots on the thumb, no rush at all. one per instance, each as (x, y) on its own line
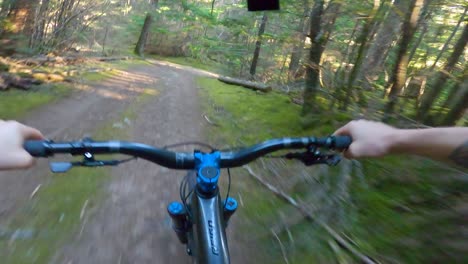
(344, 130)
(355, 150)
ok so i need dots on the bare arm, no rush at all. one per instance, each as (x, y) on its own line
(374, 139)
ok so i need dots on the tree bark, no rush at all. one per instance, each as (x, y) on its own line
(431, 94)
(258, 45)
(247, 84)
(140, 46)
(297, 49)
(363, 39)
(424, 22)
(312, 84)
(399, 72)
(374, 60)
(459, 106)
(41, 24)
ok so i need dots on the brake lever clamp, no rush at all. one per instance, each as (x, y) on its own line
(88, 161)
(313, 156)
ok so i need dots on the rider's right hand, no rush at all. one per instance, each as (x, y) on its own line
(370, 139)
(12, 137)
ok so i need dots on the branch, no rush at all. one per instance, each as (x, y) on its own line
(341, 241)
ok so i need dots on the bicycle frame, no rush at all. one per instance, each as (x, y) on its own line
(201, 222)
(207, 238)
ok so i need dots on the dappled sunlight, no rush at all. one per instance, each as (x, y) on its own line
(111, 94)
(182, 67)
(120, 85)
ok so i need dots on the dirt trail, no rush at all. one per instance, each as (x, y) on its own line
(130, 225)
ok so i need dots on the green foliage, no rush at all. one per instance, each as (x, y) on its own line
(401, 209)
(16, 103)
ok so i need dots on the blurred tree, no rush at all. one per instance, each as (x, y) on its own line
(140, 46)
(431, 94)
(258, 45)
(459, 103)
(300, 35)
(312, 84)
(398, 78)
(447, 42)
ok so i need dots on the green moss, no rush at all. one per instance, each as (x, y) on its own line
(16, 103)
(237, 109)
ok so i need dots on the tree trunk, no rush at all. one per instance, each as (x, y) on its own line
(5, 8)
(41, 23)
(140, 46)
(374, 60)
(312, 84)
(431, 94)
(247, 84)
(418, 42)
(459, 106)
(363, 39)
(399, 72)
(462, 18)
(258, 45)
(297, 49)
(11, 38)
(424, 22)
(454, 91)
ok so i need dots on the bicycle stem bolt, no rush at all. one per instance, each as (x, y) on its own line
(178, 215)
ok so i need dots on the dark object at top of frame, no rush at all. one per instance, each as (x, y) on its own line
(263, 5)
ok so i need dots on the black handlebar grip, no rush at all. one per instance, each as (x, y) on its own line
(36, 148)
(342, 142)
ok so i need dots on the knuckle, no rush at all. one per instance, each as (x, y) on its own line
(13, 124)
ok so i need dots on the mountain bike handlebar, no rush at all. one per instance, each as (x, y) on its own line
(181, 160)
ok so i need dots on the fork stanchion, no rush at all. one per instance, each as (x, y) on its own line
(179, 220)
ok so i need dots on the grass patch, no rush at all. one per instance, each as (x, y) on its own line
(14, 103)
(54, 213)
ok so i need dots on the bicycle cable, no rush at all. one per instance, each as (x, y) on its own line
(199, 143)
(228, 189)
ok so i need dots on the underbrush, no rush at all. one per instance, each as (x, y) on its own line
(396, 210)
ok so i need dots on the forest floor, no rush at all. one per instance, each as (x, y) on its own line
(127, 223)
(118, 215)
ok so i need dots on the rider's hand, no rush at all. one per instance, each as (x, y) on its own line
(370, 139)
(12, 137)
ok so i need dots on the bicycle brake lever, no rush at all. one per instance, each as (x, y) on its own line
(313, 158)
(60, 167)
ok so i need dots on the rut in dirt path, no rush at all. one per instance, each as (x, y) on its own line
(131, 224)
(71, 118)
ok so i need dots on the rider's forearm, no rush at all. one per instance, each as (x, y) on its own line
(446, 144)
